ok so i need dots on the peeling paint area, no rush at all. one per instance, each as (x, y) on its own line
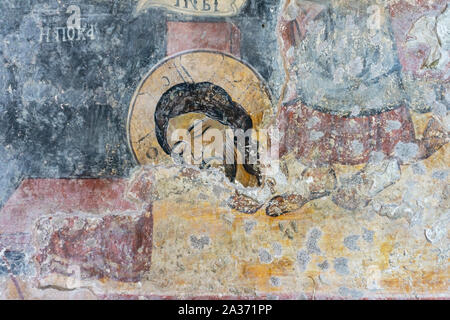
(276, 149)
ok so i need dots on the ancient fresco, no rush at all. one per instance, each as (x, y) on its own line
(276, 149)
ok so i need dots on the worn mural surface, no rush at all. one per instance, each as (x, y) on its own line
(113, 113)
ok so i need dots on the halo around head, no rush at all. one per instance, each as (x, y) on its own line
(244, 85)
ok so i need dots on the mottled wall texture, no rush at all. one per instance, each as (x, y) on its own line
(262, 149)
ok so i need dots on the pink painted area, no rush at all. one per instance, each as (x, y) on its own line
(340, 136)
(220, 36)
(37, 197)
(403, 17)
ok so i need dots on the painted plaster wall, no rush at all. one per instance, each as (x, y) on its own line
(356, 207)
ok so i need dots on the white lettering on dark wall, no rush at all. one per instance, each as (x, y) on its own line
(64, 34)
(198, 5)
(74, 30)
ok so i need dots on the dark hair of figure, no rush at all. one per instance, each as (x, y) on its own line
(215, 103)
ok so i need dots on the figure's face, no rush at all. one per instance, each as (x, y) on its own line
(207, 139)
(202, 136)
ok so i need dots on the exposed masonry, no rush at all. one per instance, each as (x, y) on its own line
(356, 207)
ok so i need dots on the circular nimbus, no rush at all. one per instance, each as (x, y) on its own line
(243, 84)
